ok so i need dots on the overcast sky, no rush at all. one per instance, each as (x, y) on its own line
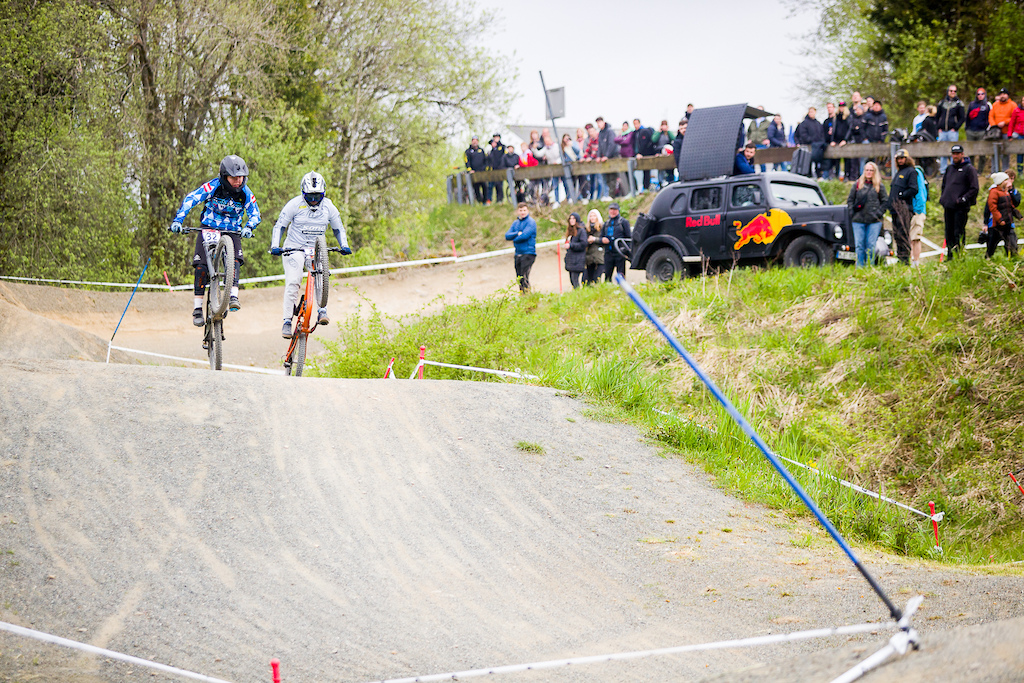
(649, 58)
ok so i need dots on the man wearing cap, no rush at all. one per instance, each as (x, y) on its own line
(476, 160)
(901, 203)
(615, 227)
(496, 162)
(959, 194)
(949, 119)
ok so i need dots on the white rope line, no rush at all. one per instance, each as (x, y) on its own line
(899, 643)
(503, 373)
(92, 649)
(271, 278)
(246, 368)
(937, 517)
(624, 656)
(83, 282)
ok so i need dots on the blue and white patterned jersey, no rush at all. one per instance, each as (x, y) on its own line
(221, 212)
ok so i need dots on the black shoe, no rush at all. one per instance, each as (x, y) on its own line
(197, 317)
(233, 305)
(322, 319)
(286, 329)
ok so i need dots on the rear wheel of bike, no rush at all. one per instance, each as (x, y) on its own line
(322, 272)
(223, 277)
(297, 360)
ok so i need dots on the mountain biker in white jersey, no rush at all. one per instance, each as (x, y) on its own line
(308, 216)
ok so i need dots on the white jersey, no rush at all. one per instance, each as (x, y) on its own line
(306, 223)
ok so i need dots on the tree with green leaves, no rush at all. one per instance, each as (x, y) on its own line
(912, 50)
(65, 209)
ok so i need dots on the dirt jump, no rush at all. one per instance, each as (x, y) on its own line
(363, 530)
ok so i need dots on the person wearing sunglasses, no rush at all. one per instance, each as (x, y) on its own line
(977, 122)
(950, 117)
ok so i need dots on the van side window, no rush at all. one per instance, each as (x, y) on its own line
(706, 199)
(678, 204)
(746, 195)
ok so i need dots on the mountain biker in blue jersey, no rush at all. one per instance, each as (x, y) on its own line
(227, 198)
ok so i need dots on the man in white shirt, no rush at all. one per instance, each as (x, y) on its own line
(306, 217)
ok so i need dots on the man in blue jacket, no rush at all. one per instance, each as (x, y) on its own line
(744, 162)
(977, 122)
(523, 234)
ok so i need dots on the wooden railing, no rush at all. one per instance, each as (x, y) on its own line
(773, 155)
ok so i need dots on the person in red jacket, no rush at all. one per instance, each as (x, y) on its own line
(1016, 130)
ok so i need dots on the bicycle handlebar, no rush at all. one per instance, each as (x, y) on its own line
(186, 230)
(291, 249)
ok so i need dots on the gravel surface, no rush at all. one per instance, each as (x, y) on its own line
(368, 529)
(361, 529)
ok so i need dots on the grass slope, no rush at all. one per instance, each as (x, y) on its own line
(906, 381)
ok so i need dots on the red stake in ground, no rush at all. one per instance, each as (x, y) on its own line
(1016, 482)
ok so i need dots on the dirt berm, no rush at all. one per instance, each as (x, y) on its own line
(367, 529)
(370, 529)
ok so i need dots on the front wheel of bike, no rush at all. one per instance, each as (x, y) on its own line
(215, 344)
(321, 272)
(223, 276)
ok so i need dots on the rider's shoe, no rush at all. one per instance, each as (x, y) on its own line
(233, 305)
(286, 329)
(322, 318)
(197, 317)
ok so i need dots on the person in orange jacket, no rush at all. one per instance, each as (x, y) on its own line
(1000, 115)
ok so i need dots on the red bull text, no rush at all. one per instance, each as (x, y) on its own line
(703, 221)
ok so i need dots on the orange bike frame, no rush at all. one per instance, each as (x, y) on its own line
(306, 310)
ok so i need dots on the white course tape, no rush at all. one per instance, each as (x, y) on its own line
(898, 644)
(92, 649)
(271, 278)
(503, 373)
(83, 282)
(246, 368)
(937, 517)
(621, 656)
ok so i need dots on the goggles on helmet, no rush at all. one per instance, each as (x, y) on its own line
(313, 198)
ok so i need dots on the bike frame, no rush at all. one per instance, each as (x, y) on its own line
(305, 309)
(214, 321)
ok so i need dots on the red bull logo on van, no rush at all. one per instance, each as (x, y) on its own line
(703, 221)
(762, 229)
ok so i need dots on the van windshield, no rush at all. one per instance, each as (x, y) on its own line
(794, 194)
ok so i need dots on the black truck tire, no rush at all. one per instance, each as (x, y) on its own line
(807, 251)
(665, 265)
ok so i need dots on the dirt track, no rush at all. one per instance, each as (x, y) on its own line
(361, 529)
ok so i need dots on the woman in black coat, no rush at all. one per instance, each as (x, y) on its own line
(595, 250)
(576, 249)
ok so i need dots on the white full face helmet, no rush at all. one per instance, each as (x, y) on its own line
(313, 188)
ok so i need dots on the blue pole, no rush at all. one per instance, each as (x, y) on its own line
(761, 445)
(129, 301)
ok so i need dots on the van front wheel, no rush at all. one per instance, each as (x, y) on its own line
(807, 251)
(665, 265)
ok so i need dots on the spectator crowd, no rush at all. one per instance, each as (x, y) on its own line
(594, 142)
(590, 243)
